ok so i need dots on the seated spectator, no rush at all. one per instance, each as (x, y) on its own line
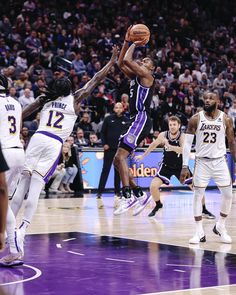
(34, 124)
(57, 178)
(70, 164)
(125, 102)
(93, 140)
(186, 77)
(85, 124)
(80, 140)
(26, 98)
(21, 61)
(25, 136)
(78, 65)
(12, 93)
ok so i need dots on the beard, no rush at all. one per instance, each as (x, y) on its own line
(210, 109)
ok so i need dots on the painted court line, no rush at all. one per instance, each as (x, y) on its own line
(38, 273)
(182, 265)
(188, 290)
(179, 270)
(59, 246)
(67, 240)
(120, 260)
(76, 253)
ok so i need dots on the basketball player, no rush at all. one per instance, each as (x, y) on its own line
(3, 199)
(141, 92)
(172, 141)
(56, 124)
(210, 126)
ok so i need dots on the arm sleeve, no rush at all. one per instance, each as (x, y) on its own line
(188, 140)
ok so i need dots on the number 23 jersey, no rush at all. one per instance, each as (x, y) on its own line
(210, 136)
(58, 117)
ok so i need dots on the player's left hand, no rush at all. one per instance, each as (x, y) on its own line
(184, 174)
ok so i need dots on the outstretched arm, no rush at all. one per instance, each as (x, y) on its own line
(128, 72)
(98, 77)
(160, 140)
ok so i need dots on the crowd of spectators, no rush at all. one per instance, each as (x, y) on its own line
(193, 42)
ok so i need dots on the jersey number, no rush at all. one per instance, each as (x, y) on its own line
(209, 137)
(12, 121)
(56, 123)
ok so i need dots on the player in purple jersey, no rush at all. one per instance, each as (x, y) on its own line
(141, 91)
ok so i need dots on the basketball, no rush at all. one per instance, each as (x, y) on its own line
(140, 32)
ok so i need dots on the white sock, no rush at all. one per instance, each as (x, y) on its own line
(23, 227)
(11, 228)
(221, 221)
(199, 227)
(20, 192)
(36, 185)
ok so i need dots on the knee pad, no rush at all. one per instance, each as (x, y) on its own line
(227, 196)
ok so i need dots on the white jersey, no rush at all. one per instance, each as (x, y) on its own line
(10, 122)
(210, 136)
(58, 117)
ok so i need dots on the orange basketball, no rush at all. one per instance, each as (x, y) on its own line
(140, 32)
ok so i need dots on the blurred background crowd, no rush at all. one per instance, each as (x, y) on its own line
(193, 42)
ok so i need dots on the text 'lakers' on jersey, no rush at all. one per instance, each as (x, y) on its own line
(58, 117)
(140, 97)
(210, 136)
(10, 122)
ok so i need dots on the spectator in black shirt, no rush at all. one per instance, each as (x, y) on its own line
(112, 128)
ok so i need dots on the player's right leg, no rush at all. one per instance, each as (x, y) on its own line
(128, 200)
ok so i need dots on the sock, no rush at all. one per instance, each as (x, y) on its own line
(20, 192)
(158, 203)
(137, 191)
(36, 185)
(126, 191)
(11, 228)
(23, 227)
(199, 227)
(221, 221)
(203, 207)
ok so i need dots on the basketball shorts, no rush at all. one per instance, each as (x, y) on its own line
(207, 169)
(43, 154)
(165, 172)
(138, 129)
(15, 158)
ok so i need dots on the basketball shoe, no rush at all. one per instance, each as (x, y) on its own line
(207, 214)
(126, 204)
(158, 206)
(222, 232)
(198, 238)
(12, 259)
(142, 203)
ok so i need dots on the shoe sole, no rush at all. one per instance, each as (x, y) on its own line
(202, 240)
(141, 208)
(16, 263)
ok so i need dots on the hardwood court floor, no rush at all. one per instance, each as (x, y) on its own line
(174, 225)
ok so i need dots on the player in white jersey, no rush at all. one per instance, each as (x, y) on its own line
(210, 126)
(56, 124)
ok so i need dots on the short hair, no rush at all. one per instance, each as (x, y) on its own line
(174, 118)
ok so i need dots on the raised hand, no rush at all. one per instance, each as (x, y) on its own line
(127, 35)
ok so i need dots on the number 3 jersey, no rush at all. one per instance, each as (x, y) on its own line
(210, 136)
(10, 122)
(58, 117)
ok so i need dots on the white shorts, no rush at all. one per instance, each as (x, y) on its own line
(15, 158)
(42, 155)
(207, 169)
